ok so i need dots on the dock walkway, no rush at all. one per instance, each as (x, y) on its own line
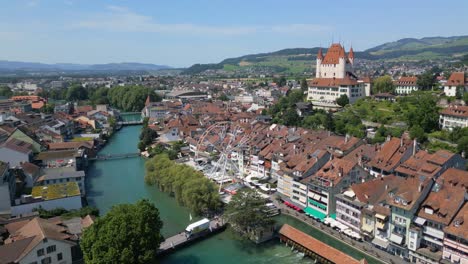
(180, 240)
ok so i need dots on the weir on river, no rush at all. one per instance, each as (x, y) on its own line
(117, 181)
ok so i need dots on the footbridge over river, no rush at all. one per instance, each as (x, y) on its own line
(115, 156)
(130, 118)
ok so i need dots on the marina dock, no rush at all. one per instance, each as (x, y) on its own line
(181, 239)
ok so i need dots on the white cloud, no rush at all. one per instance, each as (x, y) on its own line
(121, 19)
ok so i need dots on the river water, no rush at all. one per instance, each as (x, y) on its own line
(112, 182)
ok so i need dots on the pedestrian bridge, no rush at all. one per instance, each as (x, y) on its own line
(130, 123)
(116, 156)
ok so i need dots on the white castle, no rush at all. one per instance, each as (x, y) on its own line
(334, 77)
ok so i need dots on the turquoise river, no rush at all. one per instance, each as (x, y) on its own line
(112, 182)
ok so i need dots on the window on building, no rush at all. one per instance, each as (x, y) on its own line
(40, 252)
(47, 260)
(59, 256)
(51, 249)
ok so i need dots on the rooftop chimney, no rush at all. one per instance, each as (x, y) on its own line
(420, 187)
(415, 144)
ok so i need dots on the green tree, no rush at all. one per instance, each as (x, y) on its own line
(426, 80)
(383, 84)
(424, 114)
(48, 108)
(128, 233)
(465, 97)
(99, 96)
(190, 187)
(459, 92)
(246, 214)
(223, 97)
(417, 132)
(76, 93)
(304, 85)
(342, 100)
(131, 98)
(291, 118)
(5, 91)
(462, 145)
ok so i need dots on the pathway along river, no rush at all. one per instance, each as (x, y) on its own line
(111, 182)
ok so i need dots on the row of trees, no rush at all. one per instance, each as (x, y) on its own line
(131, 98)
(190, 187)
(125, 98)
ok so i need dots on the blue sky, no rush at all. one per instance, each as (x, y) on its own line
(182, 32)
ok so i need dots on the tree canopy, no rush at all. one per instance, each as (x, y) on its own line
(426, 80)
(128, 233)
(131, 98)
(6, 91)
(76, 92)
(342, 100)
(383, 84)
(246, 213)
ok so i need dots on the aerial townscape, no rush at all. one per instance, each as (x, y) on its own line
(351, 150)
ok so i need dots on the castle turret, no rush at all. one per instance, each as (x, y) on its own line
(351, 56)
(319, 63)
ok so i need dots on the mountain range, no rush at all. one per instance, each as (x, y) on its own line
(109, 67)
(297, 60)
(291, 61)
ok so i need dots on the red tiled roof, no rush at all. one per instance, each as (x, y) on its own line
(317, 246)
(456, 78)
(334, 53)
(407, 81)
(456, 110)
(332, 82)
(459, 225)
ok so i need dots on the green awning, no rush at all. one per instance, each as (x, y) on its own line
(333, 216)
(314, 213)
(319, 205)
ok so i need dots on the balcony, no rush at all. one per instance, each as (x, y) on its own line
(396, 238)
(434, 232)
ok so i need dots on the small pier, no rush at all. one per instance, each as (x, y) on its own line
(181, 240)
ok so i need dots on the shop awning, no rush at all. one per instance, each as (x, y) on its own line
(396, 239)
(379, 242)
(314, 213)
(333, 216)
